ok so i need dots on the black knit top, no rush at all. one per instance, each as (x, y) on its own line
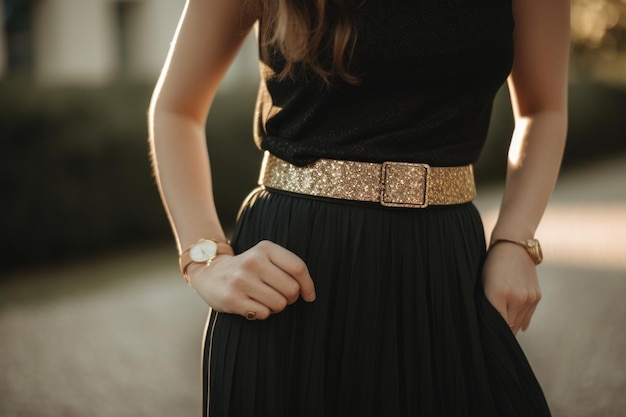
(429, 72)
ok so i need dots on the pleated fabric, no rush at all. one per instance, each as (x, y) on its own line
(400, 326)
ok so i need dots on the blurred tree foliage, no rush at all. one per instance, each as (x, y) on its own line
(599, 41)
(598, 25)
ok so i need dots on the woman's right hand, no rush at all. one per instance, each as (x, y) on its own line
(262, 280)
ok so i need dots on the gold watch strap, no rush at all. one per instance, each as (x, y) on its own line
(526, 244)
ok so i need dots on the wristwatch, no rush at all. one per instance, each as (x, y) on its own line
(202, 252)
(532, 246)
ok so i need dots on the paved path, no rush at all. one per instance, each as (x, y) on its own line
(120, 337)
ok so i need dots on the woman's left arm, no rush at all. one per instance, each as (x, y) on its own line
(538, 88)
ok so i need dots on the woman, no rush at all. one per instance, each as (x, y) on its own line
(358, 277)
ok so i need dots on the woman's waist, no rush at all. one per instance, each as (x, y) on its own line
(391, 184)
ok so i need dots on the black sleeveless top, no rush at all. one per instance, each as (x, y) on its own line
(429, 72)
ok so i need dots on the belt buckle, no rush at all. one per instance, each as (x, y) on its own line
(404, 184)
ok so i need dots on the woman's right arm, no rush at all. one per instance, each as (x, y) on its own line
(266, 278)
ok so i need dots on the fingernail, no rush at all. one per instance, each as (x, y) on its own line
(311, 298)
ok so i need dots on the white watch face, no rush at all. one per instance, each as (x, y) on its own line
(203, 251)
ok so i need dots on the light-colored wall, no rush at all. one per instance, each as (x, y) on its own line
(153, 25)
(77, 42)
(73, 41)
(245, 69)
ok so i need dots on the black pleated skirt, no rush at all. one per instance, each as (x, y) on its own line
(400, 326)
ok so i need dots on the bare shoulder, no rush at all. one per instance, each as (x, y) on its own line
(539, 75)
(238, 15)
(535, 18)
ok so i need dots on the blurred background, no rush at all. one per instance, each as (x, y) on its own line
(94, 317)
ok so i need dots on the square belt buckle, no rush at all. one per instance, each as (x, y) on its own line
(404, 184)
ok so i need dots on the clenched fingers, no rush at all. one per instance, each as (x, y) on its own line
(256, 283)
(293, 266)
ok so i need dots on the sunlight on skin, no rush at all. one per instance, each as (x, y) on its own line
(580, 235)
(516, 149)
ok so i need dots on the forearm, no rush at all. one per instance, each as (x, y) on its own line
(182, 170)
(534, 160)
(207, 39)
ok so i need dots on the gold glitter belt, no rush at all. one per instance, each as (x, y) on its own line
(392, 184)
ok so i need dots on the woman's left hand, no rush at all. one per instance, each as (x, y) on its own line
(511, 284)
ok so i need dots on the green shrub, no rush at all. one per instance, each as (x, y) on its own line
(74, 172)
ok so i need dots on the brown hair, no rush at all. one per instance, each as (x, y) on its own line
(304, 31)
